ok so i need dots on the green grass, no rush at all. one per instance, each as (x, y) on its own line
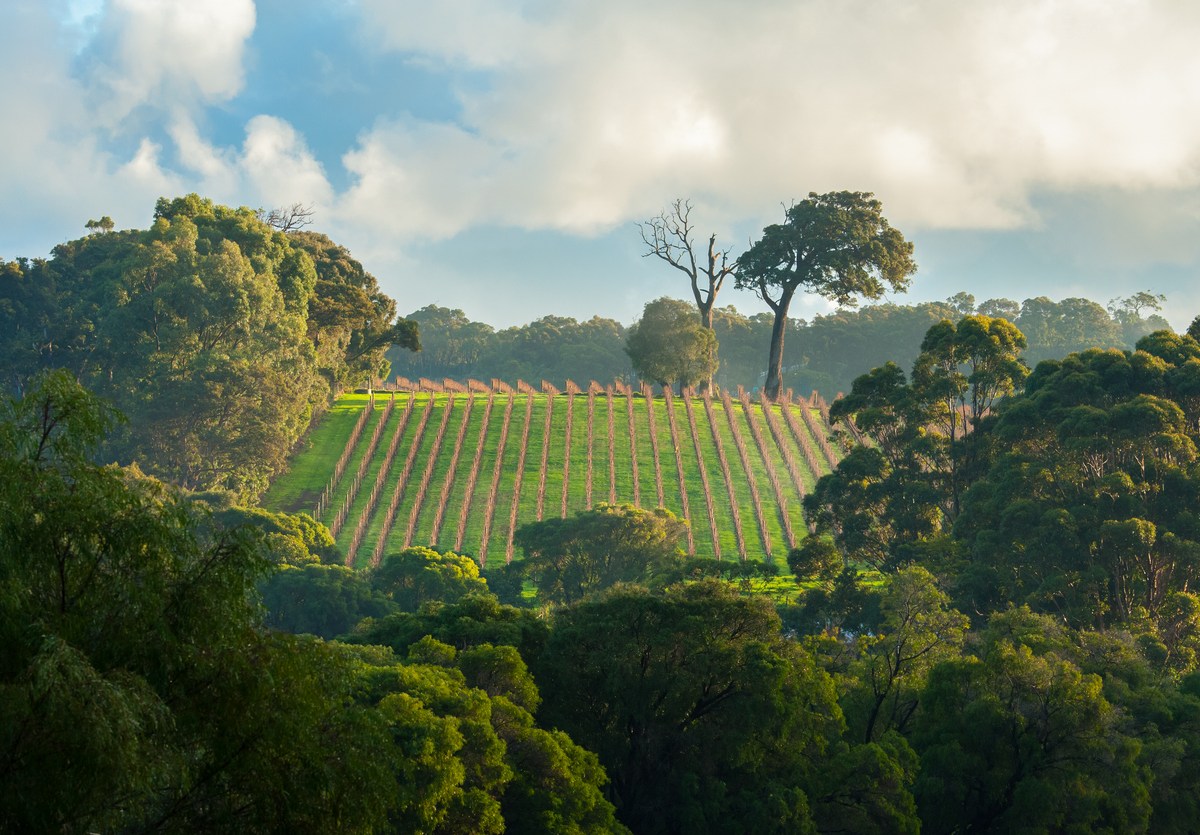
(314, 460)
(346, 534)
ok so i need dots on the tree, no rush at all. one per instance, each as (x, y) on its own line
(558, 348)
(999, 309)
(837, 245)
(1127, 312)
(742, 340)
(1087, 513)
(671, 238)
(418, 575)
(322, 600)
(468, 622)
(451, 345)
(216, 335)
(669, 347)
(1055, 329)
(919, 629)
(908, 487)
(708, 719)
(100, 227)
(137, 692)
(286, 219)
(568, 558)
(351, 322)
(705, 717)
(838, 347)
(961, 373)
(1022, 739)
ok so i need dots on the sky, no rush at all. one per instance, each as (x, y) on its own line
(498, 156)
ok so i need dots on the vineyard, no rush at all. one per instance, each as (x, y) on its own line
(461, 467)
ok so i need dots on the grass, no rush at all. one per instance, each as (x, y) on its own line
(316, 456)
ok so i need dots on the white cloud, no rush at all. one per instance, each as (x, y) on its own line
(474, 33)
(145, 173)
(62, 166)
(582, 117)
(279, 168)
(954, 112)
(151, 51)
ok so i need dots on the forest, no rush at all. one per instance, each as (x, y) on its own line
(990, 620)
(825, 354)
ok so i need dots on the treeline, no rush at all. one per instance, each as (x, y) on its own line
(825, 354)
(216, 334)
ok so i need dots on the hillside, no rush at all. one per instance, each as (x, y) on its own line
(463, 469)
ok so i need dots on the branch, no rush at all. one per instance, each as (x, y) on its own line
(291, 218)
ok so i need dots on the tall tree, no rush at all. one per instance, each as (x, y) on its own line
(837, 245)
(218, 336)
(351, 322)
(671, 237)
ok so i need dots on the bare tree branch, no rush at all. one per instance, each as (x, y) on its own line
(671, 237)
(291, 218)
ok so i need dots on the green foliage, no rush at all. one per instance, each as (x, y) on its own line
(451, 345)
(553, 348)
(669, 346)
(918, 630)
(883, 500)
(1055, 329)
(471, 758)
(291, 539)
(1023, 738)
(321, 600)
(139, 693)
(136, 691)
(560, 348)
(1098, 482)
(568, 558)
(468, 622)
(705, 719)
(837, 245)
(212, 332)
(351, 323)
(419, 575)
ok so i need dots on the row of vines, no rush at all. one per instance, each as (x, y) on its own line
(463, 466)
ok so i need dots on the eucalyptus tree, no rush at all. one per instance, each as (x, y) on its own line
(837, 245)
(908, 485)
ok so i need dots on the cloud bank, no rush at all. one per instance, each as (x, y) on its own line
(579, 118)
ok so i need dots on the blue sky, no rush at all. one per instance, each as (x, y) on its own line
(496, 156)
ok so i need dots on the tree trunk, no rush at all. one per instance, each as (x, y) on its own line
(775, 358)
(706, 320)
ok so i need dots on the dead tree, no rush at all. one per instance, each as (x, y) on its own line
(291, 218)
(671, 237)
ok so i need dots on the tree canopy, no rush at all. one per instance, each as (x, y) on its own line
(668, 346)
(594, 549)
(837, 245)
(216, 335)
(140, 692)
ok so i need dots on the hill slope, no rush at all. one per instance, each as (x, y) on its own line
(462, 470)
